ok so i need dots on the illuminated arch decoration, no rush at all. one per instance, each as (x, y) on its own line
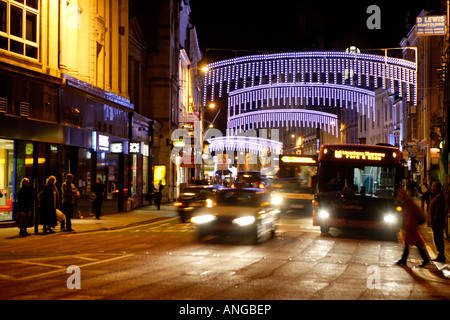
(283, 118)
(333, 78)
(276, 90)
(361, 70)
(255, 145)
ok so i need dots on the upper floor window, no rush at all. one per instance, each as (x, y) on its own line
(19, 27)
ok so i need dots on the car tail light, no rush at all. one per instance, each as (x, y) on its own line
(233, 186)
(178, 204)
(261, 186)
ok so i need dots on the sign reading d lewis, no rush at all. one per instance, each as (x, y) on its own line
(430, 26)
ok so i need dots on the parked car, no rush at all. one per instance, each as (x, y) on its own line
(193, 198)
(252, 179)
(244, 211)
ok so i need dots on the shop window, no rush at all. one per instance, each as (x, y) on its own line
(6, 179)
(19, 27)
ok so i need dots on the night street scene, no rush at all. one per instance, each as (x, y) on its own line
(224, 159)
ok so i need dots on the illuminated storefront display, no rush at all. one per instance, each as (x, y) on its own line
(294, 159)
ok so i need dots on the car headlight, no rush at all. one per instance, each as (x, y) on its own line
(203, 219)
(323, 214)
(244, 221)
(209, 203)
(390, 218)
(277, 200)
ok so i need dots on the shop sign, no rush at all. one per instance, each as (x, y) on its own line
(116, 147)
(103, 142)
(135, 148)
(430, 26)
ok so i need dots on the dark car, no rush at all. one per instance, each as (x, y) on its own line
(244, 212)
(193, 198)
(252, 179)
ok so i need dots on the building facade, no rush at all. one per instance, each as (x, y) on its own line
(424, 123)
(64, 101)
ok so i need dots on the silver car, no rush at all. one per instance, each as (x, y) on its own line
(244, 212)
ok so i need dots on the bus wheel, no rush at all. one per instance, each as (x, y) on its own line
(324, 229)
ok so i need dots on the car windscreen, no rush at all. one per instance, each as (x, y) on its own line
(248, 177)
(239, 198)
(196, 192)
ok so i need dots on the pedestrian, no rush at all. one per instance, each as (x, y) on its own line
(412, 219)
(99, 190)
(158, 194)
(411, 187)
(69, 193)
(437, 213)
(25, 203)
(49, 202)
(425, 192)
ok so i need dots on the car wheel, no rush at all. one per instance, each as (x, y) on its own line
(257, 236)
(324, 229)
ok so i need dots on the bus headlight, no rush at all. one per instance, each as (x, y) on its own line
(323, 214)
(277, 200)
(203, 219)
(244, 221)
(390, 218)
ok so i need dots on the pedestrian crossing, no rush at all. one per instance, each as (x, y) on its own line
(168, 226)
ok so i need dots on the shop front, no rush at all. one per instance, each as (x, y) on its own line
(139, 182)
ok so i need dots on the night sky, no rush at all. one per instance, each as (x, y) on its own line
(286, 25)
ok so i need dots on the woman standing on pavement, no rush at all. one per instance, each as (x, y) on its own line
(412, 219)
(25, 202)
(49, 198)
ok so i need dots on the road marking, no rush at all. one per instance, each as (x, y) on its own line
(37, 264)
(95, 262)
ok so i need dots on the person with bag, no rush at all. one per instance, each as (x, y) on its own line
(425, 192)
(25, 203)
(412, 219)
(48, 200)
(437, 213)
(69, 192)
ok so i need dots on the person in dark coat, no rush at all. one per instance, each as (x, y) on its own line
(412, 217)
(99, 190)
(25, 203)
(49, 202)
(158, 194)
(437, 213)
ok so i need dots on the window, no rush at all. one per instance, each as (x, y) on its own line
(19, 24)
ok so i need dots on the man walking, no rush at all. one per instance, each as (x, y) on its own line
(69, 192)
(437, 212)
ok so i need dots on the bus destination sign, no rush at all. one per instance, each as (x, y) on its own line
(359, 155)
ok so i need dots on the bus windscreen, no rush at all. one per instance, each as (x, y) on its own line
(368, 180)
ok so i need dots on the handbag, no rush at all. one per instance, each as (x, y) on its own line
(60, 216)
(92, 197)
(22, 219)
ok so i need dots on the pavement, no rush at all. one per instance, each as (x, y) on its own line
(150, 214)
(111, 221)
